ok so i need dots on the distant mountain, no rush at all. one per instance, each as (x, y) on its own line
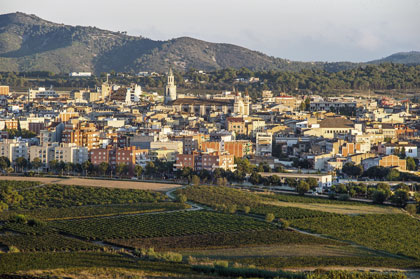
(29, 43)
(411, 57)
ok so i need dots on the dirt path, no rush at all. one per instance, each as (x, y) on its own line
(121, 184)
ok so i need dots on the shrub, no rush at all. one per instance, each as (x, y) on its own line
(269, 217)
(13, 249)
(247, 209)
(221, 263)
(343, 197)
(411, 208)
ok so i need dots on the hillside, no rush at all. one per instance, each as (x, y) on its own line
(411, 57)
(29, 43)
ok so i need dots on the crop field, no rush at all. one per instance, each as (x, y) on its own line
(394, 233)
(159, 225)
(28, 261)
(120, 184)
(226, 240)
(18, 184)
(330, 261)
(223, 197)
(45, 242)
(349, 209)
(52, 213)
(276, 250)
(306, 199)
(67, 196)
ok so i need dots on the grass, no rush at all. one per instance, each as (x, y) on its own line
(347, 209)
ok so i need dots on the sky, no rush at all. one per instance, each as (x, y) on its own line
(303, 30)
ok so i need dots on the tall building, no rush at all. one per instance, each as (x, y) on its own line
(4, 90)
(13, 148)
(170, 89)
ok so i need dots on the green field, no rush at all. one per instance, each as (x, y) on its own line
(223, 198)
(52, 213)
(226, 240)
(396, 234)
(158, 225)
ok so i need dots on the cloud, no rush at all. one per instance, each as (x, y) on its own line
(369, 41)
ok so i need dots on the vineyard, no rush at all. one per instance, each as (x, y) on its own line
(94, 210)
(224, 198)
(45, 243)
(284, 262)
(18, 185)
(397, 234)
(160, 225)
(305, 199)
(225, 240)
(28, 261)
(67, 196)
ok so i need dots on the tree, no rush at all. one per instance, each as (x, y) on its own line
(36, 163)
(138, 170)
(4, 162)
(269, 217)
(313, 183)
(302, 187)
(195, 180)
(352, 170)
(9, 197)
(393, 175)
(182, 198)
(400, 198)
(150, 168)
(247, 209)
(411, 164)
(292, 182)
(122, 169)
(379, 196)
(87, 167)
(21, 163)
(103, 168)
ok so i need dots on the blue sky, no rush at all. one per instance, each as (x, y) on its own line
(305, 30)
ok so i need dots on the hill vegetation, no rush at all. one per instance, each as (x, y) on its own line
(29, 43)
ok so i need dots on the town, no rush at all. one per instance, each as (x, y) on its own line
(123, 132)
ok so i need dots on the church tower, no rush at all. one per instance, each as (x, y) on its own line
(170, 89)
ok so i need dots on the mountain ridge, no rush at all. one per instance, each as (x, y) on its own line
(30, 43)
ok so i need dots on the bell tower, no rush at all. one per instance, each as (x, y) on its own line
(170, 89)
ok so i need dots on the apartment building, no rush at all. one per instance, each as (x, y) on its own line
(13, 148)
(206, 161)
(71, 153)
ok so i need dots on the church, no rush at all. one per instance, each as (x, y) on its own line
(230, 105)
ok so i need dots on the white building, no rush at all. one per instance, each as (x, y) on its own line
(71, 153)
(264, 144)
(80, 74)
(41, 92)
(13, 148)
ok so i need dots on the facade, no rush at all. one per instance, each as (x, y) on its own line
(264, 144)
(206, 161)
(84, 134)
(4, 90)
(12, 149)
(170, 89)
(46, 153)
(71, 153)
